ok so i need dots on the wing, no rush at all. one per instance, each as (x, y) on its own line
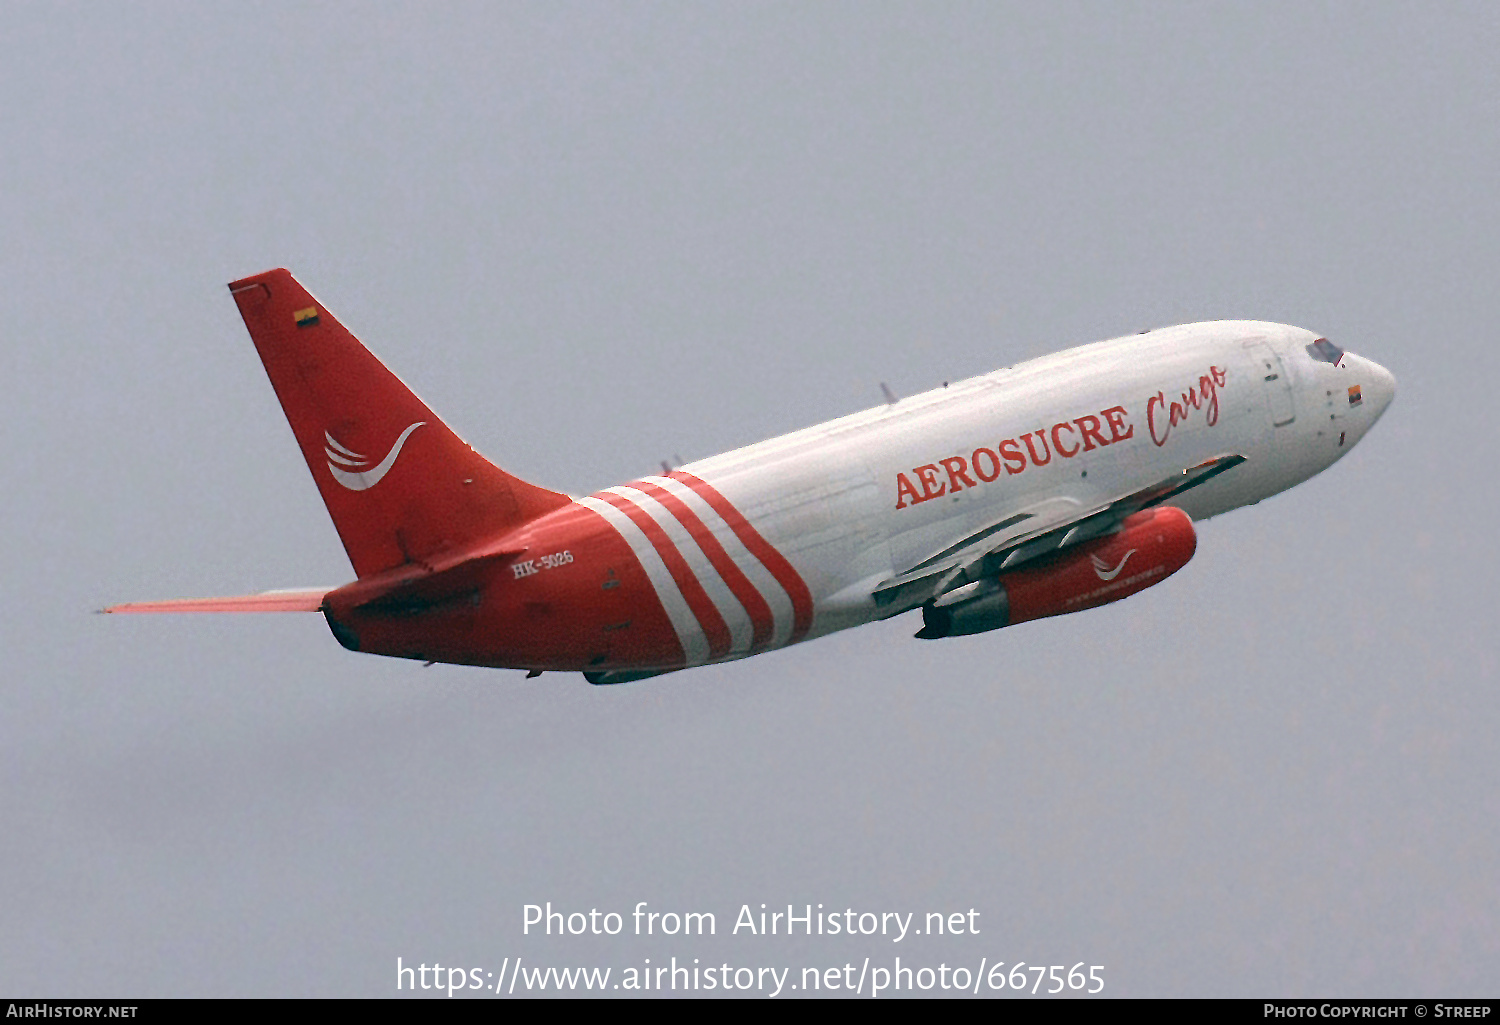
(1029, 534)
(293, 600)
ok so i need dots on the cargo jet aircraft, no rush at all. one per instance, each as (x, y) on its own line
(1056, 485)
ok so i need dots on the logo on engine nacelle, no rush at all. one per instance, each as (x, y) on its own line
(1102, 570)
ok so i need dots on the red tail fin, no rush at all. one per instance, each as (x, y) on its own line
(401, 487)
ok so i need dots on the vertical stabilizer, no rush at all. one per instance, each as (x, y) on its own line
(401, 487)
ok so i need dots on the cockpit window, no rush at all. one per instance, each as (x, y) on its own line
(1325, 351)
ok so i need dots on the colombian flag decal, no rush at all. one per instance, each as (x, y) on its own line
(1355, 398)
(307, 317)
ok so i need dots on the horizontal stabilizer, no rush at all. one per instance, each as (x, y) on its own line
(416, 586)
(295, 600)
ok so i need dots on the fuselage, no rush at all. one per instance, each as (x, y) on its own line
(789, 539)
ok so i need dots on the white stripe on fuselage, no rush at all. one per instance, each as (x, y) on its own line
(689, 634)
(755, 571)
(735, 616)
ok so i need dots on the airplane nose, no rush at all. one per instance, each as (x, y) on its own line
(1382, 387)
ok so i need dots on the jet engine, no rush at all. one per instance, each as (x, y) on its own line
(1150, 546)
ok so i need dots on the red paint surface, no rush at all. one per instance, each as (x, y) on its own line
(698, 601)
(439, 494)
(761, 622)
(1152, 544)
(787, 576)
(597, 612)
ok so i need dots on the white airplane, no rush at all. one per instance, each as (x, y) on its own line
(1056, 485)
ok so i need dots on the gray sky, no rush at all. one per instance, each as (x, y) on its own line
(593, 236)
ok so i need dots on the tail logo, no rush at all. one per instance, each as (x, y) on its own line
(1102, 570)
(353, 470)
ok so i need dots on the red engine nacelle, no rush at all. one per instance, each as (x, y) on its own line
(1149, 547)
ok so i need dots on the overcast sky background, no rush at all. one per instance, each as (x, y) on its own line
(596, 235)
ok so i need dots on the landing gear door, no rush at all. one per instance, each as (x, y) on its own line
(1278, 387)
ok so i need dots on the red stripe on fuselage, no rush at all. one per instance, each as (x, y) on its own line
(761, 622)
(774, 561)
(702, 606)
